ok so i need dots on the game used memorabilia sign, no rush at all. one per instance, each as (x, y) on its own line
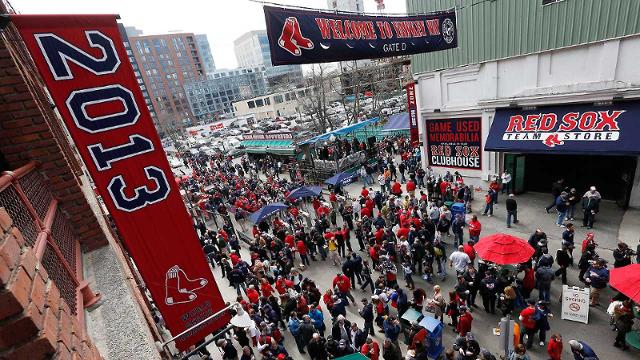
(575, 304)
(268, 136)
(86, 70)
(315, 36)
(412, 108)
(611, 129)
(454, 143)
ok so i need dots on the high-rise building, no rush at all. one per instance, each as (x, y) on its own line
(167, 62)
(205, 53)
(252, 49)
(124, 31)
(213, 98)
(346, 5)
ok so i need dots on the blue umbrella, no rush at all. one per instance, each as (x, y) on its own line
(266, 211)
(340, 179)
(305, 191)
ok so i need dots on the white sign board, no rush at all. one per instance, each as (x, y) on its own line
(575, 304)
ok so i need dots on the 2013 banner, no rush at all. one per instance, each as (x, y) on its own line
(412, 108)
(85, 67)
(303, 36)
(454, 143)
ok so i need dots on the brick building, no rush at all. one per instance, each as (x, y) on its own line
(167, 62)
(64, 279)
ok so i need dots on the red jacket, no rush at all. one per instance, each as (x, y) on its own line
(371, 351)
(527, 318)
(468, 249)
(253, 296)
(474, 228)
(364, 192)
(302, 248)
(396, 188)
(554, 349)
(464, 323)
(411, 186)
(342, 282)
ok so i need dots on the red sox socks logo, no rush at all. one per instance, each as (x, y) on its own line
(179, 289)
(291, 38)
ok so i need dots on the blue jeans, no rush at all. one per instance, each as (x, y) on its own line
(544, 292)
(488, 208)
(474, 238)
(505, 188)
(513, 214)
(561, 216)
(458, 238)
(572, 211)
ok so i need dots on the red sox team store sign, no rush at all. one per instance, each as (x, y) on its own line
(85, 67)
(611, 129)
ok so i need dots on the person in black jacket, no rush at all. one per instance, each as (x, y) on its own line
(563, 259)
(367, 315)
(317, 348)
(512, 210)
(556, 188)
(622, 255)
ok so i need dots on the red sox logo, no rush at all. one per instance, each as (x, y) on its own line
(291, 38)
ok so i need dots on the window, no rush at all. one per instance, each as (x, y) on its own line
(277, 99)
(267, 101)
(259, 103)
(251, 104)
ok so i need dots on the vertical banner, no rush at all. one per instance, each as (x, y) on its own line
(454, 143)
(85, 67)
(412, 108)
(315, 36)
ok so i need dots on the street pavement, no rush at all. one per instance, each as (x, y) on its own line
(532, 215)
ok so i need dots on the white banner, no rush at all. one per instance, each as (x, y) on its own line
(575, 304)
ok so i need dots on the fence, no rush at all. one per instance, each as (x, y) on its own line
(25, 195)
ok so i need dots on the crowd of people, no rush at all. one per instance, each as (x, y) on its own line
(380, 241)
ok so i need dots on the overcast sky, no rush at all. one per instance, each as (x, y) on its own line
(222, 20)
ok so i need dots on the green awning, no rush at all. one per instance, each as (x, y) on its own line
(268, 143)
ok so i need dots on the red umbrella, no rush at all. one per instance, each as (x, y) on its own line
(503, 249)
(626, 279)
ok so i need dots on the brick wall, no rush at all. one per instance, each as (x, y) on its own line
(30, 130)
(34, 322)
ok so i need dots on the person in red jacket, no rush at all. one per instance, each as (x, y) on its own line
(253, 295)
(474, 229)
(266, 288)
(468, 249)
(464, 321)
(364, 192)
(290, 240)
(554, 349)
(411, 188)
(396, 189)
(302, 250)
(343, 284)
(528, 319)
(370, 349)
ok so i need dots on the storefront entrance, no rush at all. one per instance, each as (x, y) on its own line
(612, 175)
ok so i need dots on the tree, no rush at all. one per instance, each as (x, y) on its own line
(315, 104)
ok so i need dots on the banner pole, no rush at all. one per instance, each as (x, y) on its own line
(164, 344)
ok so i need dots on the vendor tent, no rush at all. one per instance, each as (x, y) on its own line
(342, 131)
(266, 211)
(340, 179)
(305, 191)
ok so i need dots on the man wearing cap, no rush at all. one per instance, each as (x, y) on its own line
(392, 329)
(317, 348)
(590, 206)
(582, 351)
(528, 319)
(341, 329)
(597, 277)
